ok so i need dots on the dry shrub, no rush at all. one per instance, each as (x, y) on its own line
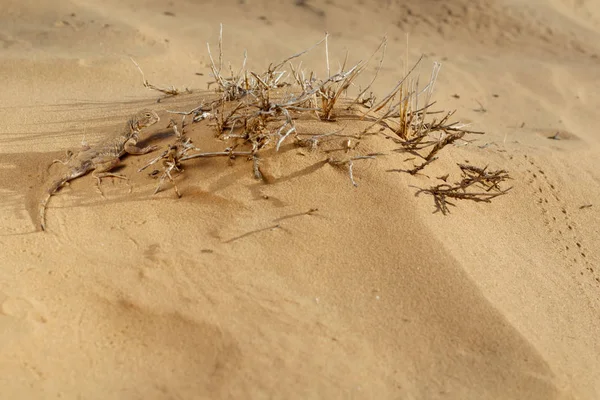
(255, 111)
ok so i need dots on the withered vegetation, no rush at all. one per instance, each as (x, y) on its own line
(255, 112)
(477, 184)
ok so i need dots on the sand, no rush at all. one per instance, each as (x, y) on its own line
(373, 296)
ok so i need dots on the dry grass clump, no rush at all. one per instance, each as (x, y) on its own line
(414, 126)
(259, 111)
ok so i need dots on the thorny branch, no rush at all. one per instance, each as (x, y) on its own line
(477, 184)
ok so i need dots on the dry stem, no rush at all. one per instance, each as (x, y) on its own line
(477, 184)
(169, 91)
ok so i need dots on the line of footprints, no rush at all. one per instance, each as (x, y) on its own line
(557, 220)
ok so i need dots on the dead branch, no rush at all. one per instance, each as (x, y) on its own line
(349, 163)
(169, 91)
(226, 153)
(477, 184)
(359, 97)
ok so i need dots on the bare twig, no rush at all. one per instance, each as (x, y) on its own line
(358, 98)
(349, 163)
(394, 91)
(282, 63)
(327, 54)
(268, 228)
(309, 212)
(481, 108)
(170, 91)
(217, 154)
(477, 184)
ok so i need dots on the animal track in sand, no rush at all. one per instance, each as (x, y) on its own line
(20, 308)
(556, 215)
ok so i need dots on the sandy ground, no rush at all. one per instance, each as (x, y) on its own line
(373, 296)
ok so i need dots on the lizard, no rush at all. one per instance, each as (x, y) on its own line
(103, 157)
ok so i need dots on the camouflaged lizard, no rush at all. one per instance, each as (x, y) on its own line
(104, 156)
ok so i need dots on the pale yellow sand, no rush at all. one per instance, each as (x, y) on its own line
(371, 297)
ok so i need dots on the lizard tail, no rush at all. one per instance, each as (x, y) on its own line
(44, 203)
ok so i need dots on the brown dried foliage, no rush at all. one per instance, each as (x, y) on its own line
(254, 112)
(477, 184)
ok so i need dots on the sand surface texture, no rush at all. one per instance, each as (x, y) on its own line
(234, 290)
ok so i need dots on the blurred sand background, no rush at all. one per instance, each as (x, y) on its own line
(372, 297)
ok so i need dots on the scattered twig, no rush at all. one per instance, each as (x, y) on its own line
(169, 91)
(309, 212)
(555, 136)
(229, 154)
(477, 184)
(481, 108)
(268, 228)
(349, 163)
(370, 100)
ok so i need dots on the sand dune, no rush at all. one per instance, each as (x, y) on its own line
(235, 290)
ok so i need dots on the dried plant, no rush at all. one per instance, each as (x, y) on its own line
(233, 87)
(410, 119)
(258, 111)
(477, 184)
